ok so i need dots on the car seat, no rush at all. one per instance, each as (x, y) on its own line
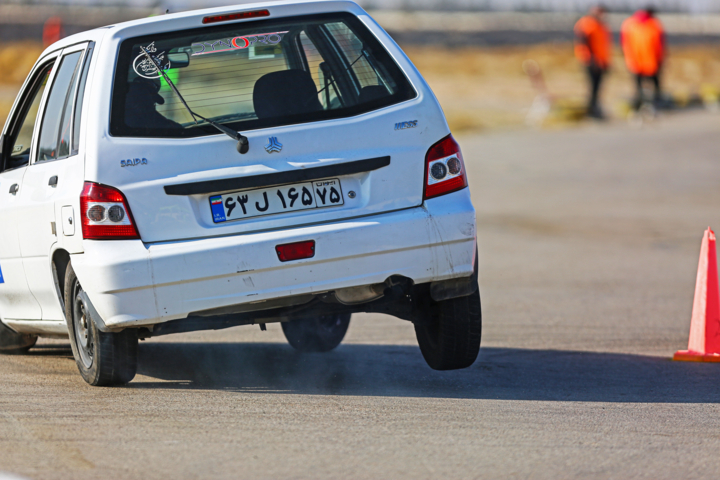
(286, 92)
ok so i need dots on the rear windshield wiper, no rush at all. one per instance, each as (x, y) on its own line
(242, 146)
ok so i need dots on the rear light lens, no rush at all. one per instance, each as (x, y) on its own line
(105, 214)
(236, 16)
(295, 251)
(444, 168)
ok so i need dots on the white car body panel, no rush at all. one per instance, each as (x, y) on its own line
(185, 263)
(16, 300)
(131, 284)
(339, 140)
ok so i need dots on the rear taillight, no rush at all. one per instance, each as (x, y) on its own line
(105, 214)
(444, 168)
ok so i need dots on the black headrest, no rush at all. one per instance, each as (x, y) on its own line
(287, 92)
(143, 90)
(140, 103)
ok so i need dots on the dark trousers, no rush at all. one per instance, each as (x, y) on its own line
(639, 81)
(595, 75)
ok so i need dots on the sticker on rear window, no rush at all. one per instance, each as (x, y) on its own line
(237, 43)
(146, 68)
(216, 204)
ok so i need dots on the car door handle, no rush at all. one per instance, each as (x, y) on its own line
(53, 181)
(14, 188)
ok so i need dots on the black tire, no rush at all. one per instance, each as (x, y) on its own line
(13, 343)
(449, 332)
(102, 358)
(317, 334)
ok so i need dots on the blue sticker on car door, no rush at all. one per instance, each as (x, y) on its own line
(1, 277)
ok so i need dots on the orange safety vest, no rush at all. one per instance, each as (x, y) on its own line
(593, 41)
(643, 43)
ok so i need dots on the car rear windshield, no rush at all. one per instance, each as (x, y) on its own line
(253, 75)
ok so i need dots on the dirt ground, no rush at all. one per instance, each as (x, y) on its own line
(588, 244)
(486, 88)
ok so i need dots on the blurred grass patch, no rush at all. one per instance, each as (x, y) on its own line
(5, 106)
(482, 88)
(461, 120)
(566, 111)
(16, 60)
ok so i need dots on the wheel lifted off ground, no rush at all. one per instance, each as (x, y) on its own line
(449, 332)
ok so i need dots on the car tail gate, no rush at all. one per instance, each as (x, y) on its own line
(337, 127)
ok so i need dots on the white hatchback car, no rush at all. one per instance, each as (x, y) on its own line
(131, 206)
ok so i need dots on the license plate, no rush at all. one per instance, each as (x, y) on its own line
(268, 201)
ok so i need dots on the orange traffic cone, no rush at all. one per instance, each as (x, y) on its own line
(704, 343)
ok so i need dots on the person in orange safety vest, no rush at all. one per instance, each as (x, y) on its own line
(643, 43)
(592, 47)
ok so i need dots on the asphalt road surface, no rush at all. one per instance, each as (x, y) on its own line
(589, 242)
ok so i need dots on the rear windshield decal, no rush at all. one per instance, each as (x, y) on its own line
(147, 69)
(236, 43)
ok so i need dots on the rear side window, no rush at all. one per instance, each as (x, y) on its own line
(54, 141)
(254, 75)
(79, 101)
(351, 47)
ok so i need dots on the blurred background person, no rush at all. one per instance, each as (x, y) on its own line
(470, 52)
(643, 43)
(593, 43)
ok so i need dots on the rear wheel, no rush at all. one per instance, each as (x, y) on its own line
(14, 343)
(102, 358)
(317, 334)
(449, 331)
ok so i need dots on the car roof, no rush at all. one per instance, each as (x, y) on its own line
(193, 18)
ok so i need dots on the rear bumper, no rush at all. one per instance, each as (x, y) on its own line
(133, 284)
